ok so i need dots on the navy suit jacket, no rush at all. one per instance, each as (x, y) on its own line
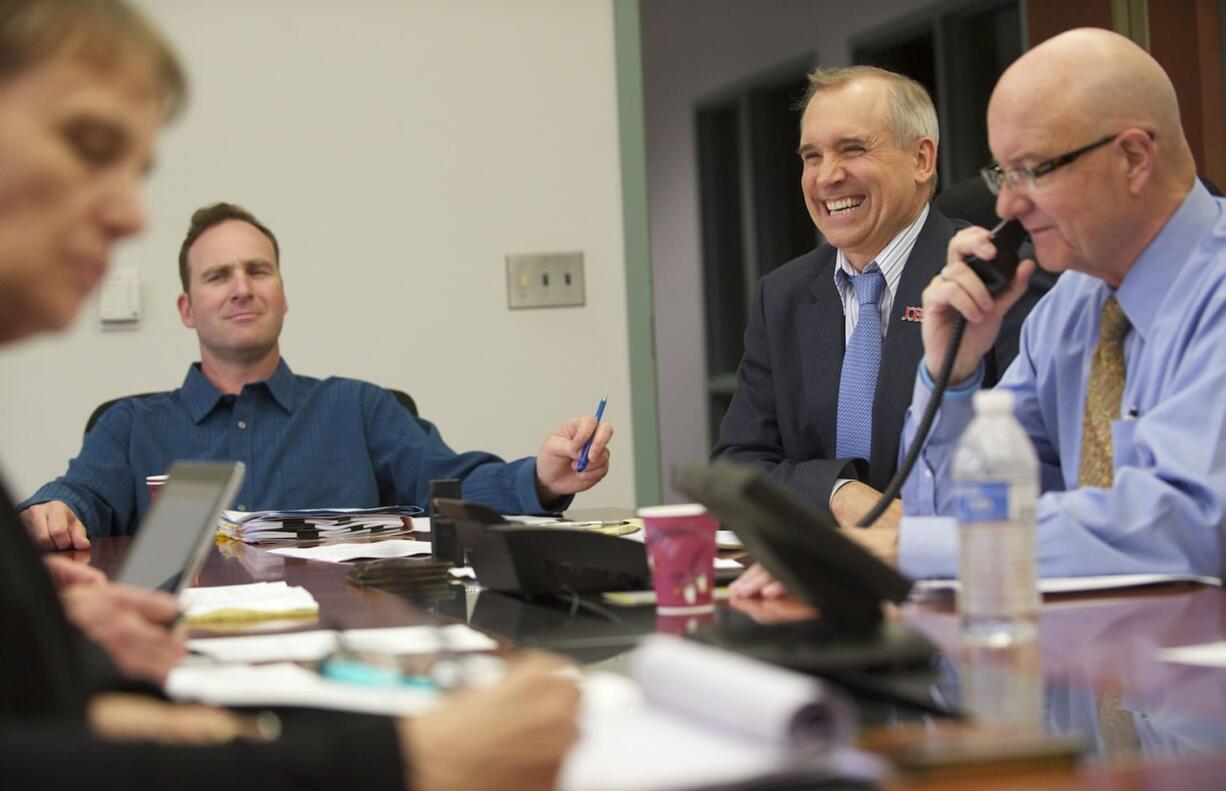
(783, 415)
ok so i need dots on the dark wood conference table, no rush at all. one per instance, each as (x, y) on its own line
(1091, 649)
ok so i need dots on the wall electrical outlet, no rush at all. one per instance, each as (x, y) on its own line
(544, 280)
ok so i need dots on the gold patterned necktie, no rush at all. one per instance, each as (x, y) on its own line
(1106, 389)
(1103, 398)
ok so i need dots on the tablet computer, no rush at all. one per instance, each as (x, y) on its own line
(173, 540)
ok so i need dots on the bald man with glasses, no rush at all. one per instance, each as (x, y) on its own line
(1121, 372)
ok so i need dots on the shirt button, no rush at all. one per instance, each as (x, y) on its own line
(242, 424)
(927, 473)
(242, 507)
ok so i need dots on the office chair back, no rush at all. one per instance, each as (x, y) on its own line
(402, 397)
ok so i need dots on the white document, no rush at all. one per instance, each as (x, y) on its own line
(418, 639)
(268, 598)
(315, 645)
(1207, 654)
(287, 684)
(726, 539)
(291, 647)
(339, 553)
(700, 716)
(1082, 584)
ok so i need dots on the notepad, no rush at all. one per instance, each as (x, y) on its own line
(255, 601)
(695, 716)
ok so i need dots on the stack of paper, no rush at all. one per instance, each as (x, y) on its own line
(257, 601)
(316, 524)
(698, 716)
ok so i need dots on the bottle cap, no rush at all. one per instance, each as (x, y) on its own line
(993, 402)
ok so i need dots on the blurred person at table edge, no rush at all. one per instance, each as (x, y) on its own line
(85, 86)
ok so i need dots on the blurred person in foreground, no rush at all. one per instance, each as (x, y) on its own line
(85, 87)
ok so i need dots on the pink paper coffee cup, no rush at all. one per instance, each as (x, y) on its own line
(681, 553)
(154, 484)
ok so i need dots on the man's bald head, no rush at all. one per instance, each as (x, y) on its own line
(1094, 94)
(1090, 82)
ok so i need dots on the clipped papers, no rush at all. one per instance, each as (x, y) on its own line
(316, 524)
(255, 601)
(699, 715)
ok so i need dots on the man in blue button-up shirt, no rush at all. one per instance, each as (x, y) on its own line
(1092, 160)
(306, 442)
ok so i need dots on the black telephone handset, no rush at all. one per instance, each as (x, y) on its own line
(997, 273)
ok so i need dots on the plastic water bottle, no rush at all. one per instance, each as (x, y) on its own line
(996, 479)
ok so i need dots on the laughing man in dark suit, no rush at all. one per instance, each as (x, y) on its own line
(834, 336)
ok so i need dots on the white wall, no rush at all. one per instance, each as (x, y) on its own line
(692, 48)
(399, 150)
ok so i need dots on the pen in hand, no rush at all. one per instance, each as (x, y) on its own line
(587, 446)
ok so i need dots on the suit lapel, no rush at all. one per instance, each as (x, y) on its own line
(822, 342)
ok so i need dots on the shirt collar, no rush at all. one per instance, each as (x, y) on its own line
(202, 397)
(1145, 286)
(890, 260)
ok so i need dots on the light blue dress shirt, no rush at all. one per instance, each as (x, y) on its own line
(306, 442)
(1165, 511)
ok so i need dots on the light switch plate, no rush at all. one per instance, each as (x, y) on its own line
(544, 280)
(119, 300)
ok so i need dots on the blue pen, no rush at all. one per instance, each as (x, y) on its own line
(587, 446)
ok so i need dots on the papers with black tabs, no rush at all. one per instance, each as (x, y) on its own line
(699, 716)
(316, 524)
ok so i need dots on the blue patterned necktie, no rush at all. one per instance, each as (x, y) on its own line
(861, 361)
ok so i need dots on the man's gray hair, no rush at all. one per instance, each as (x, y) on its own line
(912, 114)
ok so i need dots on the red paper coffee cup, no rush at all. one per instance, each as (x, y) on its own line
(154, 484)
(681, 553)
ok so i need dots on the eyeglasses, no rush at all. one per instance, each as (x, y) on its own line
(1024, 178)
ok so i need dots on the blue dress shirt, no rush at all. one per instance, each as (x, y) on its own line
(1165, 511)
(306, 443)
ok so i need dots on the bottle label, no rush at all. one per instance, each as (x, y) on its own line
(983, 501)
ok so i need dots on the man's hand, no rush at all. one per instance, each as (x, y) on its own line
(757, 581)
(53, 525)
(854, 500)
(66, 572)
(556, 476)
(959, 290)
(513, 735)
(130, 624)
(881, 539)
